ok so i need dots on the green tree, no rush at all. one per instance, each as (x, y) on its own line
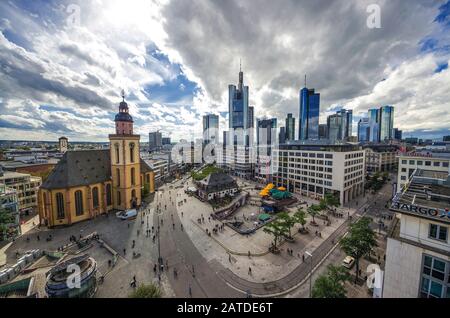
(287, 222)
(360, 241)
(314, 210)
(146, 291)
(5, 219)
(277, 229)
(300, 217)
(331, 285)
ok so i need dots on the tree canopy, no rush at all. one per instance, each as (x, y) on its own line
(331, 284)
(146, 291)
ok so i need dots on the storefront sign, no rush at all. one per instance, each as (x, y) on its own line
(437, 214)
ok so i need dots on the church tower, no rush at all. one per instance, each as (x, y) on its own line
(125, 161)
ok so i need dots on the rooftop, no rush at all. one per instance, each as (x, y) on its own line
(426, 194)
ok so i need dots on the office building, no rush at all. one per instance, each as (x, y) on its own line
(210, 129)
(154, 141)
(386, 123)
(381, 157)
(26, 187)
(334, 127)
(282, 135)
(266, 139)
(409, 162)
(323, 131)
(397, 134)
(315, 169)
(290, 127)
(418, 247)
(364, 130)
(9, 203)
(166, 141)
(374, 124)
(309, 115)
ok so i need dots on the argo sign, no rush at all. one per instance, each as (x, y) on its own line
(432, 213)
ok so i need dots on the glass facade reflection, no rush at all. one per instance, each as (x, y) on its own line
(309, 114)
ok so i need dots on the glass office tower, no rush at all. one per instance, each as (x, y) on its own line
(386, 123)
(211, 128)
(363, 130)
(309, 114)
(334, 127)
(346, 122)
(290, 127)
(374, 123)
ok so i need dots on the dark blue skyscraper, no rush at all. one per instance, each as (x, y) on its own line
(290, 127)
(238, 104)
(309, 114)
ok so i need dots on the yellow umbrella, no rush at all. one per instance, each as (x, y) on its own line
(282, 188)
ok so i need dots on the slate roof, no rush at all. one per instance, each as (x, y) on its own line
(83, 167)
(79, 168)
(217, 182)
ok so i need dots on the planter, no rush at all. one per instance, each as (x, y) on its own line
(274, 250)
(303, 231)
(314, 223)
(289, 239)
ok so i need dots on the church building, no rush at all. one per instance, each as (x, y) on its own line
(88, 183)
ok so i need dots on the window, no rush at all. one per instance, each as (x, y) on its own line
(60, 206)
(108, 194)
(403, 169)
(132, 152)
(427, 163)
(404, 162)
(95, 201)
(118, 176)
(445, 164)
(435, 278)
(419, 162)
(436, 164)
(133, 179)
(116, 146)
(403, 178)
(412, 162)
(79, 203)
(437, 232)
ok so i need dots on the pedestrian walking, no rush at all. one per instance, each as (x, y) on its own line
(173, 225)
(124, 251)
(303, 258)
(190, 291)
(249, 270)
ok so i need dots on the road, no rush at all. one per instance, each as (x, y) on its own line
(176, 248)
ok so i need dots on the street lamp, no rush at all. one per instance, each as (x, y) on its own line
(310, 273)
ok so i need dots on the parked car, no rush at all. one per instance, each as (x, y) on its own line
(126, 215)
(348, 262)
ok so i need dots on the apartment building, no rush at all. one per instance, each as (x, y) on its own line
(317, 169)
(418, 248)
(26, 186)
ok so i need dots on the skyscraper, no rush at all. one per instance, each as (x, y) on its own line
(364, 130)
(266, 137)
(251, 117)
(154, 141)
(210, 128)
(323, 131)
(339, 125)
(238, 104)
(282, 136)
(347, 123)
(309, 114)
(386, 123)
(290, 127)
(374, 124)
(397, 134)
(334, 127)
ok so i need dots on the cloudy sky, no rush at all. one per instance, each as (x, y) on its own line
(64, 63)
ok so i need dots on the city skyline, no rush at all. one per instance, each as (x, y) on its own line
(62, 78)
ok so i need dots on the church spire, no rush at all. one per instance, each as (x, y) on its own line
(123, 95)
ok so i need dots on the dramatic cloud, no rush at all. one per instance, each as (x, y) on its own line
(63, 64)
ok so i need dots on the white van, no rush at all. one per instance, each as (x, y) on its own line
(126, 215)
